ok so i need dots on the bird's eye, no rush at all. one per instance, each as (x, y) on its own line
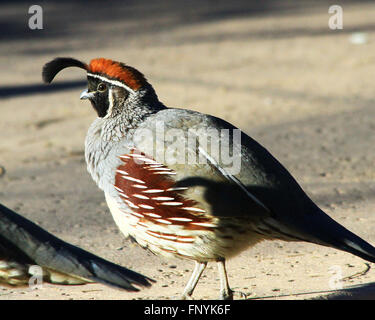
(102, 87)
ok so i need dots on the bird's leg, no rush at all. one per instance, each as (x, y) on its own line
(225, 292)
(198, 270)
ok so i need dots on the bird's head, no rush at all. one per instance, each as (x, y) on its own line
(112, 86)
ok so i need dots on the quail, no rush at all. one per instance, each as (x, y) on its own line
(28, 251)
(187, 184)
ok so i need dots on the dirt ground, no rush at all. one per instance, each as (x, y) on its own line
(272, 68)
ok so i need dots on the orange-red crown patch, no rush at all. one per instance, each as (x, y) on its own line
(119, 71)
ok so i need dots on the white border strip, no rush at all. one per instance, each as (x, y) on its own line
(231, 177)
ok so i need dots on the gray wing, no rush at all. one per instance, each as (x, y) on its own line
(262, 190)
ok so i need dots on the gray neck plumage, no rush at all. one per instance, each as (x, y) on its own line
(124, 116)
(127, 114)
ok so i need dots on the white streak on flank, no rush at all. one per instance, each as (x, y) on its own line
(147, 161)
(131, 204)
(145, 206)
(204, 224)
(141, 160)
(137, 214)
(153, 191)
(124, 157)
(152, 162)
(163, 221)
(231, 177)
(180, 219)
(118, 189)
(140, 196)
(193, 209)
(152, 215)
(155, 165)
(171, 203)
(162, 198)
(177, 189)
(122, 172)
(121, 194)
(4, 264)
(169, 250)
(139, 186)
(114, 82)
(142, 224)
(173, 238)
(164, 172)
(136, 155)
(126, 211)
(159, 169)
(185, 239)
(133, 179)
(155, 234)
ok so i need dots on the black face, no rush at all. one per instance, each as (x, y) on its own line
(100, 101)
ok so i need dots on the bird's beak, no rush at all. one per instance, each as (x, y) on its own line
(86, 95)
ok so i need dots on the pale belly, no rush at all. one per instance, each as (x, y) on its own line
(171, 241)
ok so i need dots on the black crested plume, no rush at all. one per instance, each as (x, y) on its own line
(52, 68)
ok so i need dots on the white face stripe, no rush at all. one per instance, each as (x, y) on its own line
(114, 82)
(110, 107)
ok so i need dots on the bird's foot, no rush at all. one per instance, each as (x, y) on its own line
(230, 294)
(186, 296)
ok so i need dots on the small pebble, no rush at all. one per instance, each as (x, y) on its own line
(358, 38)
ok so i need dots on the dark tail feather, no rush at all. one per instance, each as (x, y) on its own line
(99, 270)
(28, 243)
(326, 231)
(357, 246)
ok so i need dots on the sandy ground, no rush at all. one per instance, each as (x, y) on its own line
(274, 69)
